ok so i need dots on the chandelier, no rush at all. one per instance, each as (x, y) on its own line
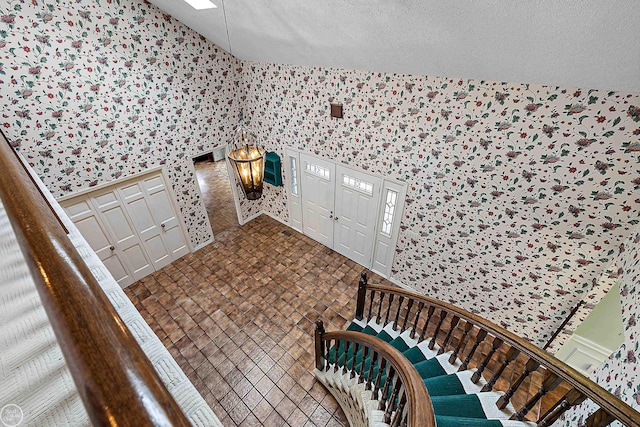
(248, 163)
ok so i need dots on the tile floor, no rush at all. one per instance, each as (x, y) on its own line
(213, 179)
(238, 316)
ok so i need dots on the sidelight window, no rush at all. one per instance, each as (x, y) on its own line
(294, 175)
(389, 211)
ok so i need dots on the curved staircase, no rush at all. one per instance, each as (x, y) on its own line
(416, 361)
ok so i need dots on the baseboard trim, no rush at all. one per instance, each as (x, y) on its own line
(277, 218)
(203, 244)
(251, 218)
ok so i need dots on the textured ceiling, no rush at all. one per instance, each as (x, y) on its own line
(583, 43)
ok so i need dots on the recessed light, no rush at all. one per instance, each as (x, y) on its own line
(201, 4)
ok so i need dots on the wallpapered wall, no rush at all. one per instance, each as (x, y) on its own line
(619, 374)
(518, 194)
(92, 91)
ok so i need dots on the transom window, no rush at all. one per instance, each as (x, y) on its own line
(357, 184)
(318, 170)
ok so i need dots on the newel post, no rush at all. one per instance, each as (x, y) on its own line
(319, 335)
(362, 290)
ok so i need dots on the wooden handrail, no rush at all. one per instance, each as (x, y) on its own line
(598, 395)
(115, 380)
(419, 408)
(563, 324)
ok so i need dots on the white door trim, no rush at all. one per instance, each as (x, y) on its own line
(106, 184)
(232, 182)
(193, 171)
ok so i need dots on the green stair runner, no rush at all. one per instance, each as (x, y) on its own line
(457, 401)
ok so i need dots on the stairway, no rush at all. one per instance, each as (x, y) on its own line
(457, 400)
(405, 359)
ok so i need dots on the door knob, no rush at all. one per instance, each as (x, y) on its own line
(112, 248)
(162, 225)
(331, 215)
(335, 219)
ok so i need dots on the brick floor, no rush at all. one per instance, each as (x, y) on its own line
(238, 316)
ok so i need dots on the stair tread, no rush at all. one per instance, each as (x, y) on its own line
(354, 327)
(443, 386)
(452, 421)
(439, 385)
(476, 405)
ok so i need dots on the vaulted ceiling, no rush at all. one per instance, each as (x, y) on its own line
(571, 43)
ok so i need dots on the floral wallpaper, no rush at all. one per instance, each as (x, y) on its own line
(518, 194)
(96, 90)
(521, 198)
(619, 374)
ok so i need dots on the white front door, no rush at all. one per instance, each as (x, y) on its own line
(357, 198)
(126, 241)
(339, 206)
(317, 198)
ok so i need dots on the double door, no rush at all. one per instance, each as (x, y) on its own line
(340, 207)
(133, 226)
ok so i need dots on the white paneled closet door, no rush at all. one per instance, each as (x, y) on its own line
(164, 213)
(125, 239)
(88, 223)
(132, 226)
(137, 205)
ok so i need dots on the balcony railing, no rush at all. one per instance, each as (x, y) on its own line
(115, 380)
